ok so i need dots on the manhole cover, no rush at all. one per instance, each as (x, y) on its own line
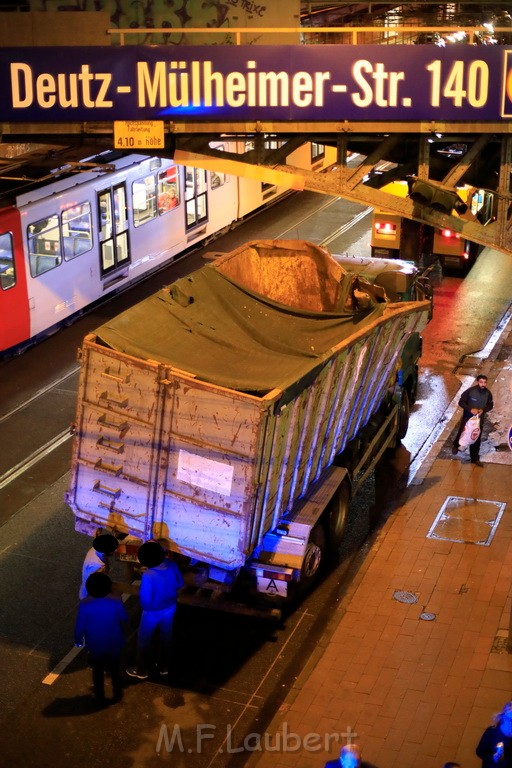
(469, 521)
(427, 616)
(405, 597)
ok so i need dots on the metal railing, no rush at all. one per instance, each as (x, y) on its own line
(352, 35)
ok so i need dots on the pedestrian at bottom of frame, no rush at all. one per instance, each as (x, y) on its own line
(158, 594)
(350, 757)
(97, 558)
(101, 625)
(474, 401)
(495, 746)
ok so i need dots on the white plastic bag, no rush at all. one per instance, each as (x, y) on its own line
(470, 432)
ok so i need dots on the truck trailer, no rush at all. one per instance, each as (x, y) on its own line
(236, 411)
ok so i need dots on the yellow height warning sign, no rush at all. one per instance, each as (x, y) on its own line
(139, 134)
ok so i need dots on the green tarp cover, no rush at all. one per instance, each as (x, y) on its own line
(232, 337)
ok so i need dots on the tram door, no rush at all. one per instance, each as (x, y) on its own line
(114, 236)
(196, 203)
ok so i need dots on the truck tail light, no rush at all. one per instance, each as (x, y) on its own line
(385, 228)
(277, 576)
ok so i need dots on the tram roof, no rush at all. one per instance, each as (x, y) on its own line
(42, 167)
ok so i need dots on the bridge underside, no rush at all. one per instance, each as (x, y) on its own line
(446, 155)
(391, 153)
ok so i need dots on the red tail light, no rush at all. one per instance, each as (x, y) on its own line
(385, 228)
(449, 233)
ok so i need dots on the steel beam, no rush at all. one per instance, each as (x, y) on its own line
(409, 147)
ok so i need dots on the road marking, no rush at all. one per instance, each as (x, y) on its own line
(39, 393)
(254, 694)
(39, 454)
(61, 666)
(341, 231)
(494, 338)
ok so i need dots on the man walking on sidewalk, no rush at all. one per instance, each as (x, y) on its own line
(477, 400)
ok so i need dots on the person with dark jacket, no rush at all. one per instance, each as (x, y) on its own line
(495, 746)
(159, 587)
(97, 558)
(475, 400)
(100, 625)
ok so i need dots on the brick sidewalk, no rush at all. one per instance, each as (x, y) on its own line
(418, 682)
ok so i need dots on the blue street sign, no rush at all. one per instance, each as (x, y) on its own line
(256, 82)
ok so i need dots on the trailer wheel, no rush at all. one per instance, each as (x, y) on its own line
(403, 415)
(337, 517)
(413, 388)
(313, 558)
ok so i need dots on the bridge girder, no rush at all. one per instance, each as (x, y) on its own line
(486, 165)
(407, 149)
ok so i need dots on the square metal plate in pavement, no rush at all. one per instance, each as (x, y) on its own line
(469, 521)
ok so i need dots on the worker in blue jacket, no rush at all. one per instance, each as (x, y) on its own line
(159, 587)
(101, 625)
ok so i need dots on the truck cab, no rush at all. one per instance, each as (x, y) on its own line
(402, 281)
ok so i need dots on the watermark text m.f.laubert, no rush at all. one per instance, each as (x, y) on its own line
(196, 740)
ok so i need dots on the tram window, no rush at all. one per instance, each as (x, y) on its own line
(113, 215)
(120, 208)
(144, 200)
(44, 245)
(7, 270)
(217, 179)
(482, 206)
(317, 151)
(107, 256)
(195, 197)
(76, 230)
(168, 190)
(272, 142)
(200, 181)
(105, 208)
